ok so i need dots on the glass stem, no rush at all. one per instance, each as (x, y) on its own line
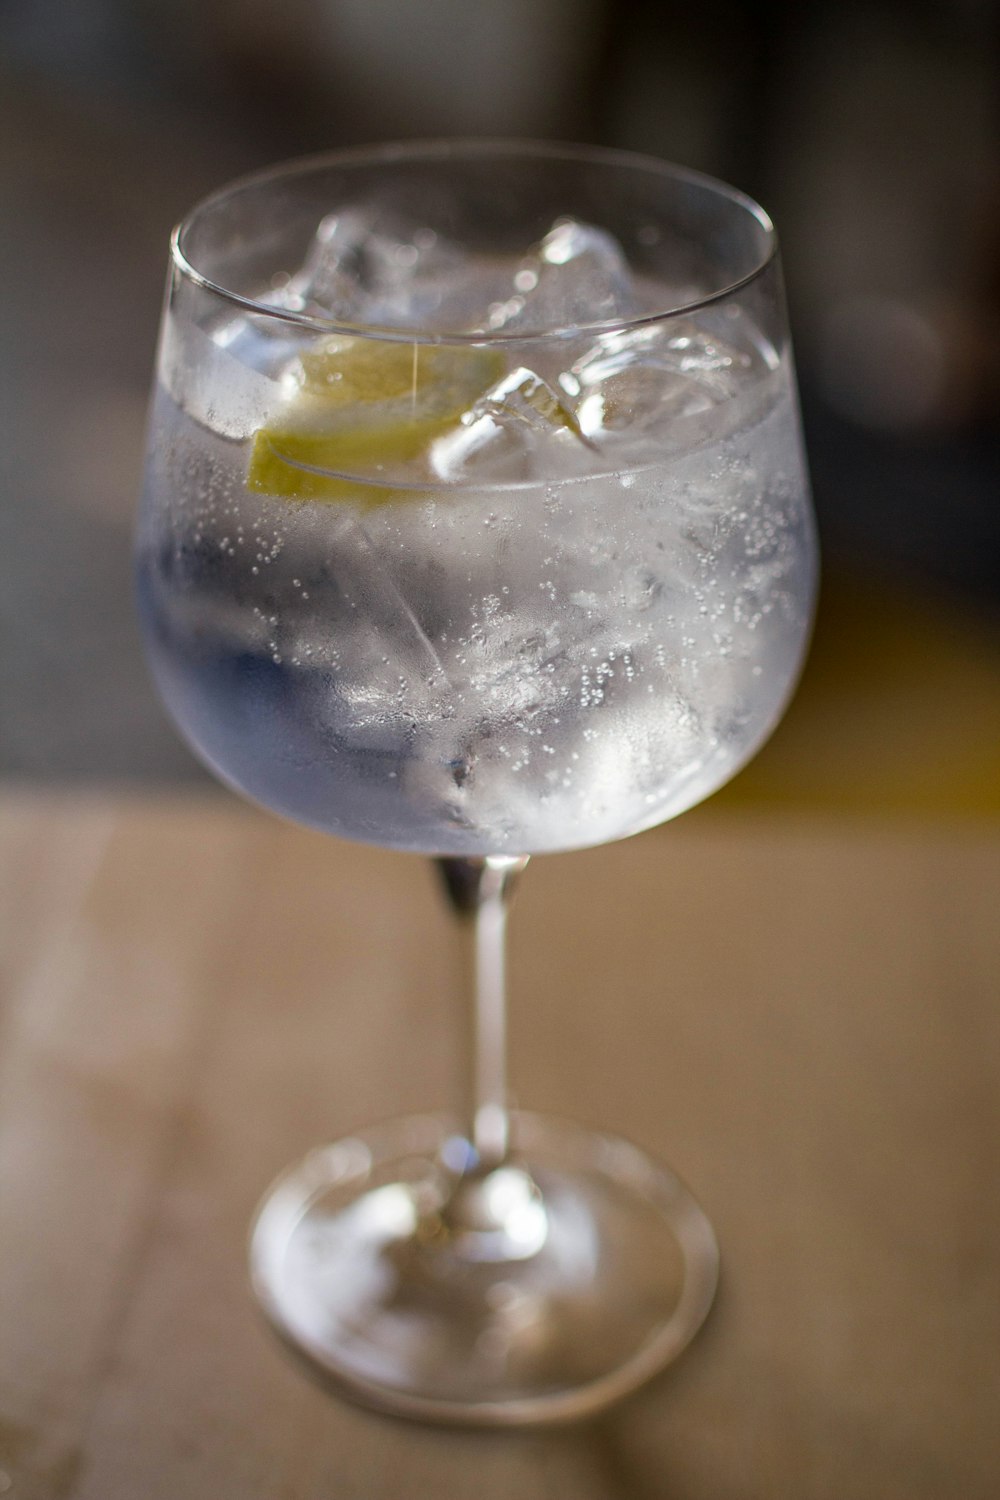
(479, 891)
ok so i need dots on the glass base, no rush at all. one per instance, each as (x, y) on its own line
(538, 1292)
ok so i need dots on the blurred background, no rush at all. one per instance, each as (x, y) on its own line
(869, 131)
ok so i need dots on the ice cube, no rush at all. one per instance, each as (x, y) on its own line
(522, 428)
(333, 274)
(378, 601)
(361, 268)
(212, 376)
(655, 381)
(578, 274)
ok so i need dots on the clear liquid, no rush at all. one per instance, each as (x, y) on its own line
(480, 671)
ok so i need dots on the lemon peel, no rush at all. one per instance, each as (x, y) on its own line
(359, 405)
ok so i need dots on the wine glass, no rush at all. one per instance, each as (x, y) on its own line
(476, 523)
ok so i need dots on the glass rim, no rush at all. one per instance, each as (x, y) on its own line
(457, 148)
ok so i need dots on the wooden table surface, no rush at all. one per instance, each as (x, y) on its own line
(800, 1016)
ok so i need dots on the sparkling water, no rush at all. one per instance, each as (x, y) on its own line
(575, 617)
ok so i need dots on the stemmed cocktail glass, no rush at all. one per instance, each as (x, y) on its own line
(476, 524)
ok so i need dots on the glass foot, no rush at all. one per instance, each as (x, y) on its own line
(540, 1291)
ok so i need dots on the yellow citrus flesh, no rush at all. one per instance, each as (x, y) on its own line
(361, 406)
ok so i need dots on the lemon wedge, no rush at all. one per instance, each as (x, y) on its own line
(362, 405)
